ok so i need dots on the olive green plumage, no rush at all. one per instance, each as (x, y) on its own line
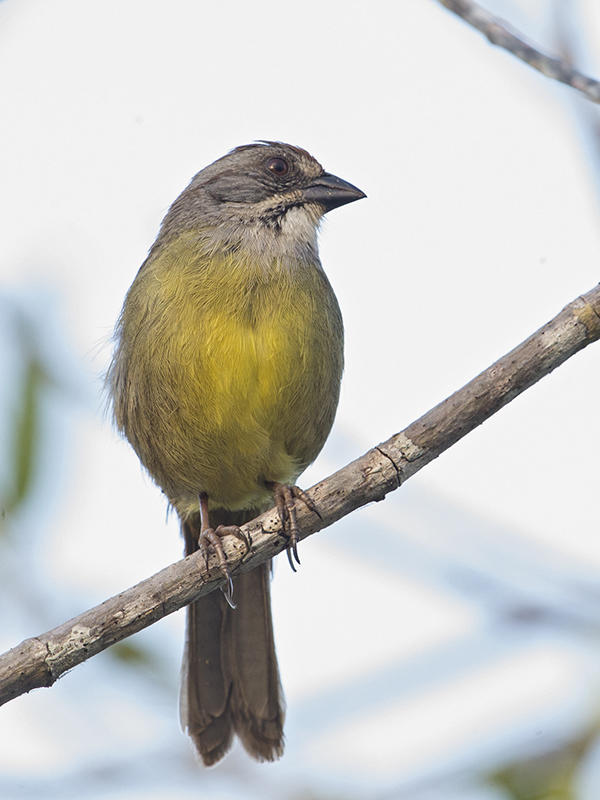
(227, 371)
(226, 376)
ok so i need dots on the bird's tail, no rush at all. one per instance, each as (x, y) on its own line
(230, 678)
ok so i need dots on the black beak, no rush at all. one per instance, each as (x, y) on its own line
(331, 192)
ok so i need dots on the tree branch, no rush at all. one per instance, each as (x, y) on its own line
(42, 660)
(498, 33)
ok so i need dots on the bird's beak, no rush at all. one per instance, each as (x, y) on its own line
(331, 192)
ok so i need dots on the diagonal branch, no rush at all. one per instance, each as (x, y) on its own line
(40, 661)
(499, 34)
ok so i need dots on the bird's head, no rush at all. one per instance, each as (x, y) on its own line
(270, 191)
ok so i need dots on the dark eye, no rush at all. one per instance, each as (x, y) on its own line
(278, 165)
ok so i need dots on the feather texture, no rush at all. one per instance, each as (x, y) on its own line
(226, 372)
(225, 379)
(230, 678)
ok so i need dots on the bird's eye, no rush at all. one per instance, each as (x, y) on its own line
(278, 165)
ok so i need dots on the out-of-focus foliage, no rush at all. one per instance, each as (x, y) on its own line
(131, 653)
(549, 776)
(21, 447)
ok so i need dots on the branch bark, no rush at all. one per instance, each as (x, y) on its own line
(40, 661)
(498, 33)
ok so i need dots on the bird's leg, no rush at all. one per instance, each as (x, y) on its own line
(285, 497)
(211, 537)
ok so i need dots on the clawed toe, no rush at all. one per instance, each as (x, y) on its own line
(211, 537)
(300, 494)
(285, 497)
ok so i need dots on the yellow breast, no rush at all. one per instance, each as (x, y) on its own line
(227, 372)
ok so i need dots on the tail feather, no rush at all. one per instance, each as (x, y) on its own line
(230, 678)
(205, 690)
(257, 700)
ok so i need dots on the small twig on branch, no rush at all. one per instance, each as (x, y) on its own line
(498, 33)
(589, 116)
(42, 660)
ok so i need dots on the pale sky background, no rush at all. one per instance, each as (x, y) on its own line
(402, 672)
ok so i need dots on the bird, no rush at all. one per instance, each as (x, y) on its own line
(225, 379)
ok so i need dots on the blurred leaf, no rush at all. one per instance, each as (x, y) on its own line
(133, 654)
(30, 383)
(25, 439)
(549, 776)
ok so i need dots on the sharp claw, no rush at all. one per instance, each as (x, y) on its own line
(295, 551)
(227, 589)
(289, 556)
(228, 592)
(300, 494)
(210, 538)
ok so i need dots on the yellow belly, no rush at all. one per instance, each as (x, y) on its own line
(227, 373)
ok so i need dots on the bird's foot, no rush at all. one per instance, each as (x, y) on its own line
(211, 538)
(285, 497)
